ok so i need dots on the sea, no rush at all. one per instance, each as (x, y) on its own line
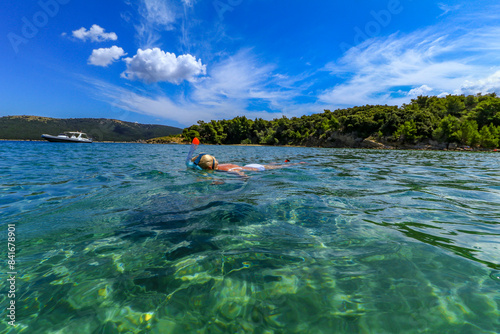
(123, 238)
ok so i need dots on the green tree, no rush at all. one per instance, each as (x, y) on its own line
(268, 138)
(407, 132)
(209, 133)
(446, 131)
(421, 101)
(487, 138)
(364, 121)
(437, 106)
(467, 133)
(190, 133)
(470, 102)
(455, 105)
(488, 111)
(238, 129)
(334, 123)
(425, 123)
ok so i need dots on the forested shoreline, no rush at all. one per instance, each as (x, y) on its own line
(426, 122)
(451, 122)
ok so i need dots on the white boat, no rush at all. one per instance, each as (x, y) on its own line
(69, 137)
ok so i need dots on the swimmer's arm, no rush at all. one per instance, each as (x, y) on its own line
(240, 173)
(237, 172)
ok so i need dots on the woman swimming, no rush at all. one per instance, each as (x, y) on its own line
(207, 161)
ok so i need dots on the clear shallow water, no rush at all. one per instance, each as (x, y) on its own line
(121, 238)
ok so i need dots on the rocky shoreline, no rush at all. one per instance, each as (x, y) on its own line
(345, 142)
(367, 143)
(350, 141)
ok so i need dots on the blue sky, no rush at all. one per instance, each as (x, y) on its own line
(175, 62)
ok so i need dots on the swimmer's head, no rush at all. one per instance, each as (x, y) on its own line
(205, 161)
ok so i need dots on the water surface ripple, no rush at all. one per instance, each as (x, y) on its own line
(121, 238)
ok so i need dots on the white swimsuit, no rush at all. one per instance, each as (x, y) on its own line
(260, 168)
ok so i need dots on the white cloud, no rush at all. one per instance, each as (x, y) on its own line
(242, 79)
(228, 91)
(447, 8)
(158, 12)
(155, 16)
(184, 110)
(486, 85)
(105, 56)
(176, 107)
(237, 77)
(444, 59)
(95, 34)
(422, 90)
(154, 65)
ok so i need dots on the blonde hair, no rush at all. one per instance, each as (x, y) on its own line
(206, 161)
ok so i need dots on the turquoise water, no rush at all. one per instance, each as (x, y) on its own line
(121, 238)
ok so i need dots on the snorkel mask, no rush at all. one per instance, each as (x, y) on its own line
(195, 163)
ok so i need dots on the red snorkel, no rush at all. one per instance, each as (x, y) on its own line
(194, 146)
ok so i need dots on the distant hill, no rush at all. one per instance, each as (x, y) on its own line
(100, 129)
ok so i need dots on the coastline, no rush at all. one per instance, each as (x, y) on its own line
(377, 146)
(405, 148)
